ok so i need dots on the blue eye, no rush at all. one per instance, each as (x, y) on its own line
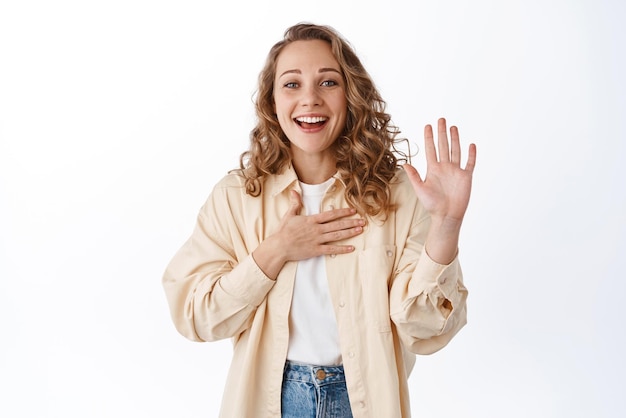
(291, 85)
(329, 83)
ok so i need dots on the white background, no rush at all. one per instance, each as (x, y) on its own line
(118, 117)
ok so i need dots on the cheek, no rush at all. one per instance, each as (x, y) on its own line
(283, 110)
(280, 105)
(282, 116)
(343, 105)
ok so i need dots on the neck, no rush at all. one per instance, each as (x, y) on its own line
(317, 177)
(314, 171)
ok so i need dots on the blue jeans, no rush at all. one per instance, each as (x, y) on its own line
(314, 392)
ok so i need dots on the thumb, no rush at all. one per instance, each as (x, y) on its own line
(295, 203)
(414, 176)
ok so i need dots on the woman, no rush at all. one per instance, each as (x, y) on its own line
(328, 264)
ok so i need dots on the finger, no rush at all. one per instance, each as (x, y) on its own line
(341, 225)
(429, 145)
(341, 234)
(336, 249)
(455, 146)
(442, 139)
(331, 215)
(471, 158)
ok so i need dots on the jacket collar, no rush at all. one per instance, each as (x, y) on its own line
(278, 183)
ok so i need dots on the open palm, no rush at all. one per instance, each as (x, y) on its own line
(446, 189)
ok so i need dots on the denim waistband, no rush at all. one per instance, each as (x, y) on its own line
(309, 373)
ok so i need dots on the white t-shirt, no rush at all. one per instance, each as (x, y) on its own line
(313, 335)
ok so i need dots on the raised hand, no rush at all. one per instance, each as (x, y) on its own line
(445, 191)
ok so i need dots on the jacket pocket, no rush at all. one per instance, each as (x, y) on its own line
(375, 269)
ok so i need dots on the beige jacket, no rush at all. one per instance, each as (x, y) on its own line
(388, 297)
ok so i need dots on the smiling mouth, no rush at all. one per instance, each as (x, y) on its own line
(311, 122)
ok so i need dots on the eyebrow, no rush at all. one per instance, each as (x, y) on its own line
(321, 70)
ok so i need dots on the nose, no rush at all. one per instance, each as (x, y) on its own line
(311, 96)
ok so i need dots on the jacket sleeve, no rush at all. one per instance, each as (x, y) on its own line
(213, 285)
(427, 300)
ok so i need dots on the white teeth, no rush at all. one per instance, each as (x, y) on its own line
(307, 119)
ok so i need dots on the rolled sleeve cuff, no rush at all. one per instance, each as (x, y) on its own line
(247, 282)
(430, 275)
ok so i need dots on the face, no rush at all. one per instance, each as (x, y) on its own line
(309, 97)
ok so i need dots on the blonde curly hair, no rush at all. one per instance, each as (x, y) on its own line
(366, 154)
